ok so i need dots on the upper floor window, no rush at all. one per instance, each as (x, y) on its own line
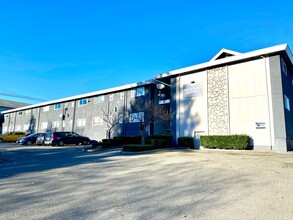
(136, 117)
(111, 97)
(19, 113)
(46, 108)
(284, 67)
(287, 102)
(28, 112)
(99, 99)
(122, 94)
(82, 102)
(140, 91)
(57, 106)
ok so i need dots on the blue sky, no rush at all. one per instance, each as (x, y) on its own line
(51, 49)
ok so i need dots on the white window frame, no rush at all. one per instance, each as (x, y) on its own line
(111, 97)
(17, 127)
(81, 122)
(28, 112)
(99, 99)
(55, 124)
(122, 95)
(46, 108)
(44, 125)
(26, 127)
(136, 117)
(287, 102)
(57, 106)
(97, 121)
(82, 102)
(140, 91)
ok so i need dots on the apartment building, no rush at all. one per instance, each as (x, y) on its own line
(233, 93)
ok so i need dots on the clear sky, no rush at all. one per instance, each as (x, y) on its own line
(51, 49)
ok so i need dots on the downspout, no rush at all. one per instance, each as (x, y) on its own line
(266, 72)
(39, 119)
(73, 117)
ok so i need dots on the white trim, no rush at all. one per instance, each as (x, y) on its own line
(86, 95)
(256, 53)
(225, 51)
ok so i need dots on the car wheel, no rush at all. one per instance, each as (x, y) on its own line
(85, 142)
(1, 140)
(29, 143)
(60, 143)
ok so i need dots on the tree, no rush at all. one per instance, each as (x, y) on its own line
(111, 118)
(149, 113)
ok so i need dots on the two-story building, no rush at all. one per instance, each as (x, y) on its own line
(233, 93)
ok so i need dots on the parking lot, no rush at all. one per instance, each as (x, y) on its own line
(69, 183)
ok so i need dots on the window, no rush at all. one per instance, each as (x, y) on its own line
(136, 117)
(122, 94)
(55, 124)
(44, 125)
(19, 113)
(138, 92)
(120, 119)
(4, 129)
(18, 127)
(26, 127)
(81, 122)
(46, 108)
(57, 106)
(98, 121)
(99, 99)
(82, 102)
(283, 67)
(287, 102)
(111, 97)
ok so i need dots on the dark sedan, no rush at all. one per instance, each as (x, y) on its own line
(29, 140)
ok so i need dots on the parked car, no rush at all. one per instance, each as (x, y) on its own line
(11, 136)
(40, 139)
(64, 137)
(28, 140)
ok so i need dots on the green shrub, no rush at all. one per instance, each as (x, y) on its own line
(160, 141)
(121, 140)
(236, 142)
(186, 142)
(138, 147)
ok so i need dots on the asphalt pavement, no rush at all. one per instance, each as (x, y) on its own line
(69, 183)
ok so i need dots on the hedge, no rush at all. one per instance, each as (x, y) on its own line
(138, 147)
(236, 142)
(186, 142)
(160, 141)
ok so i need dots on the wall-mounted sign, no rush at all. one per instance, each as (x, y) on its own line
(192, 90)
(260, 125)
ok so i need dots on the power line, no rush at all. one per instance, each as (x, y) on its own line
(20, 96)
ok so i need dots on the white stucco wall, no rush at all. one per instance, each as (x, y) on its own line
(249, 103)
(191, 115)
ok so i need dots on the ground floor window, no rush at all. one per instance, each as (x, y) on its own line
(287, 102)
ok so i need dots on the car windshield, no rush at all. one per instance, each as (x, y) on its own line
(31, 135)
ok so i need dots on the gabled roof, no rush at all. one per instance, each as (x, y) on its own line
(224, 53)
(282, 48)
